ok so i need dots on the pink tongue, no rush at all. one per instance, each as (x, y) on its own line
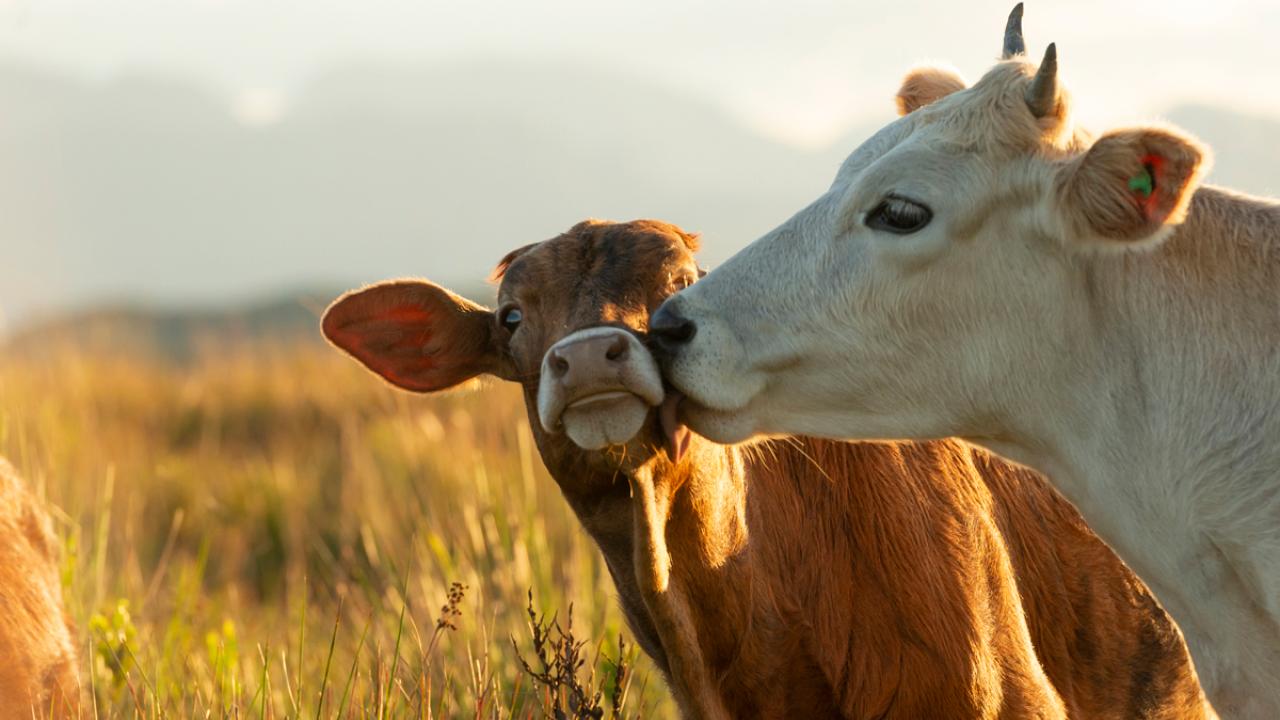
(675, 432)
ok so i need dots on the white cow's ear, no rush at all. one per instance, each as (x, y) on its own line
(1131, 188)
(925, 85)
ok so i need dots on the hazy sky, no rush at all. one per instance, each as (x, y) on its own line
(771, 64)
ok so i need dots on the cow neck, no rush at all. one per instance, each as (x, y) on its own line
(688, 534)
(642, 518)
(702, 499)
(1162, 434)
(1169, 395)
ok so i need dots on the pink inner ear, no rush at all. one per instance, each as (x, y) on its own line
(392, 343)
(414, 325)
(1150, 203)
(409, 315)
(414, 334)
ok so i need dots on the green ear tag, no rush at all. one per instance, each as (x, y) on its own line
(1142, 183)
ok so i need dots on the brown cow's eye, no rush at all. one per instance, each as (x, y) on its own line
(899, 216)
(510, 318)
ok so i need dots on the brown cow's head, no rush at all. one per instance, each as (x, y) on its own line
(572, 314)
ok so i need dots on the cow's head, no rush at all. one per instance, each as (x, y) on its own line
(952, 255)
(571, 315)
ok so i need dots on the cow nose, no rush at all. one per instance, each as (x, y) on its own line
(590, 355)
(671, 329)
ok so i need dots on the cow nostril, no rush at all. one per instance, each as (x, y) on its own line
(670, 327)
(559, 365)
(617, 350)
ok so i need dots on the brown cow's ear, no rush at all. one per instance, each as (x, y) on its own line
(926, 85)
(415, 334)
(1132, 186)
(692, 240)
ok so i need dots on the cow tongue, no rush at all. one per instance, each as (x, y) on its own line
(676, 433)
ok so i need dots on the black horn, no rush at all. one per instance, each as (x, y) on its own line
(1042, 96)
(1013, 42)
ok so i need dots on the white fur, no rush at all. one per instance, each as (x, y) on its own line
(1146, 384)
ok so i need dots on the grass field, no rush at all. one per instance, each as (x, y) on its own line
(270, 531)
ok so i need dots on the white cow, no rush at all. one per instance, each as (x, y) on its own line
(983, 268)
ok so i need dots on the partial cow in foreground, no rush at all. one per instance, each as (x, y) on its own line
(984, 268)
(37, 656)
(793, 578)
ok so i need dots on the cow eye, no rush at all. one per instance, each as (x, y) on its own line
(899, 216)
(510, 318)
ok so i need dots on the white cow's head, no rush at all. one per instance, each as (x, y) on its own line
(942, 274)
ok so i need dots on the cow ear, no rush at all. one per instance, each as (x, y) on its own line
(416, 335)
(1131, 188)
(692, 240)
(926, 85)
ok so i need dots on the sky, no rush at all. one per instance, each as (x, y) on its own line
(773, 65)
(180, 153)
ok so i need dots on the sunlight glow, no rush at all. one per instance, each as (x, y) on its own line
(258, 107)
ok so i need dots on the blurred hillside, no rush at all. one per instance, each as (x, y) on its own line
(149, 187)
(149, 190)
(175, 336)
(182, 335)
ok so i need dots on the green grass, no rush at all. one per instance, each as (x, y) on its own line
(272, 532)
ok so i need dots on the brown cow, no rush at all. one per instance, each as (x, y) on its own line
(37, 656)
(792, 578)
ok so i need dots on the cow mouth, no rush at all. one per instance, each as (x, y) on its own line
(604, 417)
(606, 396)
(617, 417)
(682, 415)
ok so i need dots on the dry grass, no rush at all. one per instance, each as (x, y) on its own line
(271, 532)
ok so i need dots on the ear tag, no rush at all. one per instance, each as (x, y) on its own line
(1143, 183)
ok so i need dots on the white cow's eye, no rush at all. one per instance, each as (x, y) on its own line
(898, 215)
(510, 318)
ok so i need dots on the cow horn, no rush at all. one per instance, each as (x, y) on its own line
(1042, 96)
(1013, 42)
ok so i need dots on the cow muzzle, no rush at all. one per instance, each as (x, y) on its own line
(598, 386)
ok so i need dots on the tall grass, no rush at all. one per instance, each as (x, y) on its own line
(270, 531)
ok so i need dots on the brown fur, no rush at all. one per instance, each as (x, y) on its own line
(806, 578)
(37, 655)
(923, 86)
